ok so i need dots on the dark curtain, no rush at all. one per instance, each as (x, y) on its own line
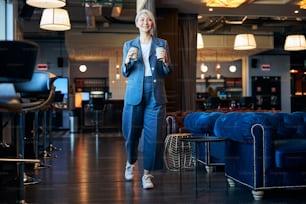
(188, 28)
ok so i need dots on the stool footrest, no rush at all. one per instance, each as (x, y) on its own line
(19, 160)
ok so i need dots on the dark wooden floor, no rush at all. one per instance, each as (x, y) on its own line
(90, 169)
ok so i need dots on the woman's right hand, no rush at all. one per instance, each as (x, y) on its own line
(131, 55)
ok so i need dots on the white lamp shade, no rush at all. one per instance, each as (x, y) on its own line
(47, 3)
(244, 42)
(200, 43)
(55, 19)
(295, 43)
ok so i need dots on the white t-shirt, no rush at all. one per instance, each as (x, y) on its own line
(145, 49)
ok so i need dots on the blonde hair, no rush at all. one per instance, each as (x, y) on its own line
(150, 15)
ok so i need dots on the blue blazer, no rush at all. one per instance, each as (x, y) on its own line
(134, 71)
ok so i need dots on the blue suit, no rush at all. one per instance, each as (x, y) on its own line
(145, 104)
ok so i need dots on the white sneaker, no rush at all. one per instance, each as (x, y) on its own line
(129, 171)
(147, 182)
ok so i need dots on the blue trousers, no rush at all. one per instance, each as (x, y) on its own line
(148, 117)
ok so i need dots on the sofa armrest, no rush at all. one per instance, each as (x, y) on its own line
(249, 147)
(175, 122)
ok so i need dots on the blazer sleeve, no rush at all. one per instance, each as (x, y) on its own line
(167, 66)
(126, 68)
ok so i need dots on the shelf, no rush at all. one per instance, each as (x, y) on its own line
(231, 86)
(233, 89)
(91, 84)
(210, 80)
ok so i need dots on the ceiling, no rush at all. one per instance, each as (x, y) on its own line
(274, 18)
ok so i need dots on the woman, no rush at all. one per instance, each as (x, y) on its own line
(146, 61)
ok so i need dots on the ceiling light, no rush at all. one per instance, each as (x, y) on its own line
(224, 3)
(55, 19)
(200, 43)
(232, 68)
(244, 42)
(295, 43)
(302, 4)
(47, 3)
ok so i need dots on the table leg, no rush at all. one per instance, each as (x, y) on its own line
(207, 148)
(196, 170)
(180, 168)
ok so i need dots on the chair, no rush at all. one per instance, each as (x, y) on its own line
(175, 122)
(17, 63)
(97, 102)
(213, 103)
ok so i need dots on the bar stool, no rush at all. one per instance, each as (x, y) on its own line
(17, 63)
(97, 103)
(37, 96)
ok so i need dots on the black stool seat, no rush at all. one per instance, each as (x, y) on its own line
(17, 60)
(97, 100)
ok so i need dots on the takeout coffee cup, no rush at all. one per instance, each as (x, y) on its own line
(160, 53)
(134, 53)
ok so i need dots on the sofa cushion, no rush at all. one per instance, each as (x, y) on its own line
(285, 124)
(290, 153)
(237, 126)
(201, 122)
(301, 127)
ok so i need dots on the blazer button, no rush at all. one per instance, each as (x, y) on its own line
(154, 80)
(152, 68)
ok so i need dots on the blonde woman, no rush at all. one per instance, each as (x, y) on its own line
(146, 61)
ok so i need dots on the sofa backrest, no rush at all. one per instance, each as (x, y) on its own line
(280, 125)
(285, 125)
(201, 122)
(301, 127)
(237, 126)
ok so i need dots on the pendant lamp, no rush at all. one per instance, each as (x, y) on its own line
(47, 3)
(295, 43)
(244, 42)
(55, 19)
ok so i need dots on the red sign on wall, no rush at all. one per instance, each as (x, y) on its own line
(42, 67)
(265, 67)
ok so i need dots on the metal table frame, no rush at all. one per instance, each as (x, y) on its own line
(197, 140)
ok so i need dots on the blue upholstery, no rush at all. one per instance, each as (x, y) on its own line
(201, 124)
(290, 153)
(264, 150)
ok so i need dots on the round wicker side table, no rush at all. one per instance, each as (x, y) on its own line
(178, 154)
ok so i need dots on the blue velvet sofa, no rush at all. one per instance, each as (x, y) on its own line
(264, 151)
(202, 124)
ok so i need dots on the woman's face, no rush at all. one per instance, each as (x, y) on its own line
(144, 23)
